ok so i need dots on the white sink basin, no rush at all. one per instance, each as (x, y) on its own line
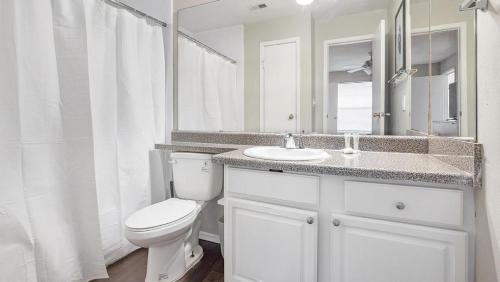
(282, 154)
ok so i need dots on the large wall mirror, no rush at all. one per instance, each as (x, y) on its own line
(379, 67)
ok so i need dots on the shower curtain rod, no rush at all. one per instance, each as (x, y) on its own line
(119, 4)
(206, 47)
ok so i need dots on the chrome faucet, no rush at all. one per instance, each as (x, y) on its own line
(289, 142)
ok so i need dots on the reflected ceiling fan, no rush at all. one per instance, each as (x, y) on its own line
(366, 67)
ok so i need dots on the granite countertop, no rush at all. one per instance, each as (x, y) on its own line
(381, 165)
(197, 147)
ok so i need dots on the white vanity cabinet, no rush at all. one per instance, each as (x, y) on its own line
(268, 235)
(269, 242)
(364, 249)
(282, 227)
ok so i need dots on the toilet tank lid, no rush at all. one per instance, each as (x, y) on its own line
(193, 156)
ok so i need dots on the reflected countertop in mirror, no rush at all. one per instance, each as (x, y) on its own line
(376, 67)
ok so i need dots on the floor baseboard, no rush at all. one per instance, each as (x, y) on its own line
(214, 238)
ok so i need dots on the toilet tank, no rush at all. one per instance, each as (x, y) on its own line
(196, 176)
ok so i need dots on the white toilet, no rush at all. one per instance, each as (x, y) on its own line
(170, 229)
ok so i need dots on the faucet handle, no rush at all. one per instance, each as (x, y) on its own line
(284, 140)
(289, 142)
(301, 142)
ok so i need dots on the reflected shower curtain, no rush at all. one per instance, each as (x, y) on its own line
(207, 98)
(82, 89)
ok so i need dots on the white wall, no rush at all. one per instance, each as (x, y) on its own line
(488, 199)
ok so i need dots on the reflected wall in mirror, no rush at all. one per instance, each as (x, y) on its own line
(277, 66)
(446, 84)
(453, 57)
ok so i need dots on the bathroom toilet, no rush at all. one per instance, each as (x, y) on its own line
(170, 229)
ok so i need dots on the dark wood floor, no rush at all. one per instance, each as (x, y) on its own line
(133, 267)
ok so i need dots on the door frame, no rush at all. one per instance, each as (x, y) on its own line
(264, 44)
(461, 28)
(326, 63)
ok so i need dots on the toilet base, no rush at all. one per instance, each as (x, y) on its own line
(193, 258)
(171, 262)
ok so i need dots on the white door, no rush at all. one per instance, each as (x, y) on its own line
(439, 93)
(420, 103)
(332, 108)
(279, 86)
(440, 109)
(269, 243)
(364, 250)
(378, 80)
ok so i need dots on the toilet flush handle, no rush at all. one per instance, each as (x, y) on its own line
(204, 167)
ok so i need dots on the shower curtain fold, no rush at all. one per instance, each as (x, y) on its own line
(82, 103)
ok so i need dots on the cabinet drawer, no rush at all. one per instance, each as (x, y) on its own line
(282, 187)
(439, 206)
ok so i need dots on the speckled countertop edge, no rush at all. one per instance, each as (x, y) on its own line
(195, 147)
(434, 171)
(225, 154)
(461, 153)
(402, 144)
(463, 156)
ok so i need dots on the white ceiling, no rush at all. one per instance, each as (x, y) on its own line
(444, 44)
(233, 12)
(349, 56)
(334, 8)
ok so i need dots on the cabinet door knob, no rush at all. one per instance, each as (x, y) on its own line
(310, 220)
(400, 205)
(336, 222)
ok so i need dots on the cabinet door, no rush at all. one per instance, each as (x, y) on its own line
(269, 243)
(382, 251)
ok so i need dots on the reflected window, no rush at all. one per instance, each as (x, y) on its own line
(452, 98)
(354, 112)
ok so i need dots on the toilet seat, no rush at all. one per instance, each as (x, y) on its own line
(161, 215)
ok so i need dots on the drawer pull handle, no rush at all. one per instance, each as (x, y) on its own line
(400, 205)
(336, 222)
(310, 220)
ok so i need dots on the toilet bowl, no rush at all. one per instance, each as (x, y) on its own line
(170, 229)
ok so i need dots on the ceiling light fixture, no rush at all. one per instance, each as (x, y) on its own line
(304, 2)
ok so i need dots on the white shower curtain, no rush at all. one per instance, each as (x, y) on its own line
(207, 95)
(127, 75)
(82, 89)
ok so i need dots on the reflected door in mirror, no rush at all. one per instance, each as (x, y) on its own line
(279, 86)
